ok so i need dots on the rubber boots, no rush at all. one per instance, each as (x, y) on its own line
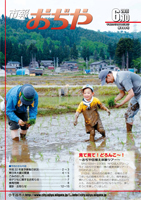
(92, 134)
(129, 128)
(14, 135)
(23, 134)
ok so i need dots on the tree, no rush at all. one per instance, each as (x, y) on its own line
(136, 52)
(32, 49)
(111, 50)
(74, 52)
(24, 54)
(84, 53)
(96, 57)
(87, 53)
(124, 51)
(137, 63)
(102, 55)
(66, 52)
(2, 59)
(46, 52)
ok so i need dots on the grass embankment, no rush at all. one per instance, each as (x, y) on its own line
(50, 103)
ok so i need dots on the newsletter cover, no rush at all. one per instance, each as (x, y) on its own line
(70, 100)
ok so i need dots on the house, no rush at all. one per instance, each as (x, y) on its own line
(96, 67)
(113, 68)
(69, 66)
(47, 63)
(33, 64)
(14, 64)
(10, 70)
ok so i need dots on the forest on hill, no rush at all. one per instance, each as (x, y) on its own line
(65, 44)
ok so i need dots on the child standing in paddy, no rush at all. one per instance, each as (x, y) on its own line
(88, 107)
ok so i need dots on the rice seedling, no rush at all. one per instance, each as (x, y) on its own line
(57, 158)
(59, 148)
(48, 160)
(122, 143)
(41, 156)
(111, 102)
(15, 158)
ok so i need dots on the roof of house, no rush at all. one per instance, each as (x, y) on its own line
(16, 62)
(9, 67)
(70, 62)
(47, 61)
(96, 63)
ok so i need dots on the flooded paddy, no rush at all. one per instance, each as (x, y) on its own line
(54, 139)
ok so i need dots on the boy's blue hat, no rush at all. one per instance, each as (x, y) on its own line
(27, 94)
(102, 76)
(88, 86)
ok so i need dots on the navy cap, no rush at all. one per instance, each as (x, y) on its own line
(102, 76)
(27, 94)
(87, 86)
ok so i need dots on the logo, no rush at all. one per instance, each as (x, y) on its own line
(120, 18)
(19, 14)
(58, 16)
(120, 15)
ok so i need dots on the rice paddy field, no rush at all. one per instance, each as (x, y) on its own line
(54, 139)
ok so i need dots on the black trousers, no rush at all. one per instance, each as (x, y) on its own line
(14, 125)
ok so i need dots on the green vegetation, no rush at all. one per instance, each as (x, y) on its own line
(104, 90)
(31, 121)
(50, 103)
(79, 44)
(111, 102)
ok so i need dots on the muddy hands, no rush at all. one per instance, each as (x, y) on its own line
(75, 122)
(21, 122)
(108, 112)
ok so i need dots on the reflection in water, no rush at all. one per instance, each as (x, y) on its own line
(21, 154)
(92, 147)
(101, 147)
(131, 147)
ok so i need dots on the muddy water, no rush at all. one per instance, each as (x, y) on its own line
(54, 139)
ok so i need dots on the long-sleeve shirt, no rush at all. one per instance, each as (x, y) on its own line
(12, 99)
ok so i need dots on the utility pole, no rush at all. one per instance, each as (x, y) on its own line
(21, 61)
(123, 62)
(22, 64)
(54, 63)
(86, 64)
(127, 61)
(57, 61)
